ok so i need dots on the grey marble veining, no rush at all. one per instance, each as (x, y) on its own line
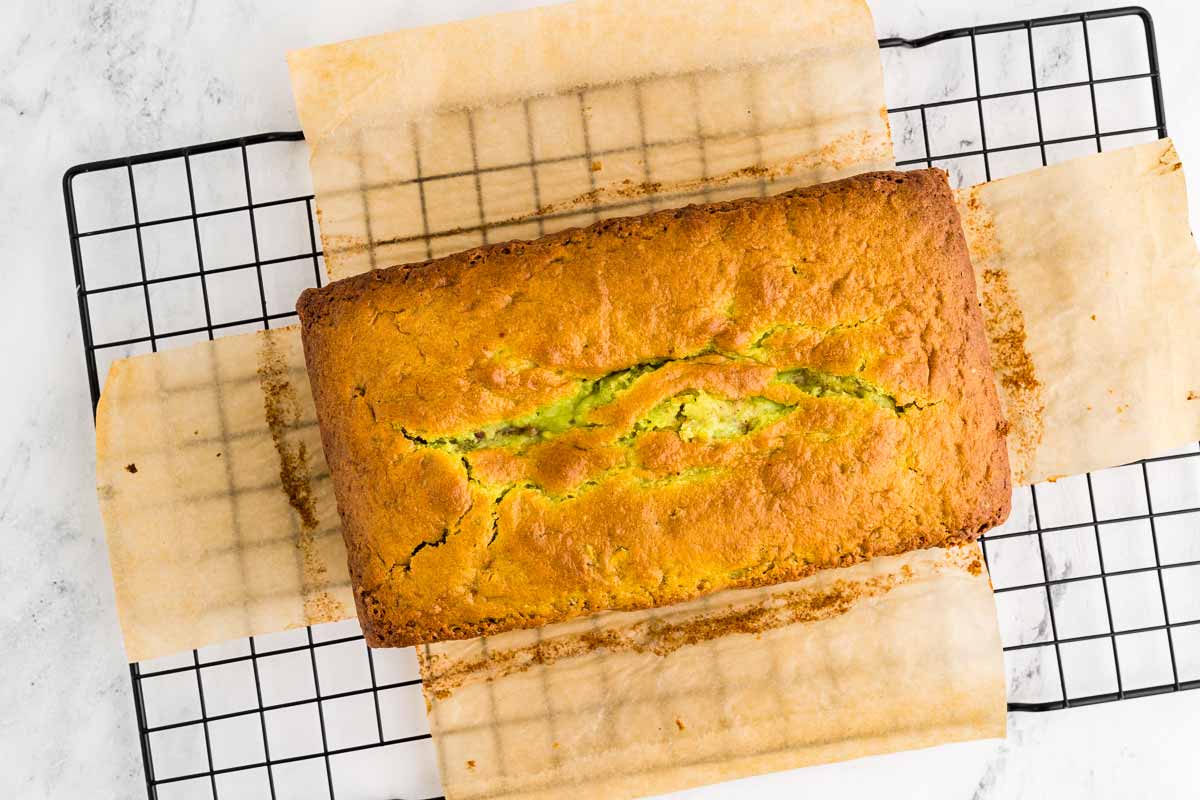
(86, 80)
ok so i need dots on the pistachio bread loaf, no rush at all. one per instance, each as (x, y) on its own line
(652, 408)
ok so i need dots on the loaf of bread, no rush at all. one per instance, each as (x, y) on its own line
(652, 408)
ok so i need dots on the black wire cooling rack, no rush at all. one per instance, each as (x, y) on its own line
(1097, 576)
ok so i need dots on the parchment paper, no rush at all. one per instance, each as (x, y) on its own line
(429, 141)
(215, 495)
(1090, 282)
(891, 654)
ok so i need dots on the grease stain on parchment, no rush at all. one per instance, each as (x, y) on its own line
(835, 156)
(1021, 391)
(443, 674)
(281, 405)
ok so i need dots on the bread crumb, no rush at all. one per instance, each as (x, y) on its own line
(1193, 396)
(975, 567)
(555, 745)
(471, 764)
(1093, 317)
(1122, 408)
(132, 468)
(679, 724)
(597, 166)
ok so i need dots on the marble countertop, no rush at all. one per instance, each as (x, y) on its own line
(87, 80)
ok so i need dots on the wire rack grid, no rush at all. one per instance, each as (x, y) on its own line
(1097, 576)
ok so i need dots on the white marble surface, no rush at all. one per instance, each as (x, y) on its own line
(81, 81)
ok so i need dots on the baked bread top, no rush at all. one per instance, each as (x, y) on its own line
(651, 408)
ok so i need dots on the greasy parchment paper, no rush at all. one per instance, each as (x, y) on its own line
(1090, 283)
(890, 654)
(215, 495)
(429, 141)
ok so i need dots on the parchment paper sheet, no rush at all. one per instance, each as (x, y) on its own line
(215, 495)
(891, 654)
(1090, 282)
(429, 141)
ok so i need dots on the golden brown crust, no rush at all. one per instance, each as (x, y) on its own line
(652, 408)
